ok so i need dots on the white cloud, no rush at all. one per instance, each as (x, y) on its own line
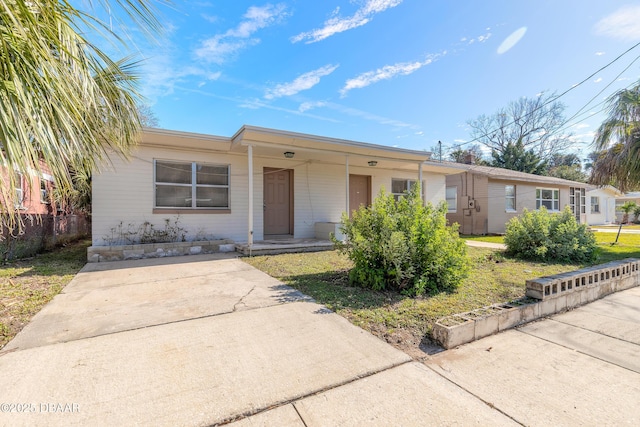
(303, 82)
(598, 80)
(599, 53)
(337, 24)
(306, 106)
(581, 126)
(164, 70)
(386, 72)
(221, 47)
(623, 24)
(511, 40)
(210, 18)
(460, 141)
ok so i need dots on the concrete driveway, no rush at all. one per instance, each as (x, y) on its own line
(204, 340)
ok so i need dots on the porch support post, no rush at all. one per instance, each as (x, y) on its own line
(347, 183)
(420, 182)
(250, 217)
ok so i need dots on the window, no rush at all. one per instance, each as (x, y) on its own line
(595, 204)
(191, 185)
(19, 191)
(452, 198)
(44, 192)
(549, 198)
(510, 198)
(400, 186)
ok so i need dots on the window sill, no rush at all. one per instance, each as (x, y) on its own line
(452, 211)
(511, 211)
(190, 211)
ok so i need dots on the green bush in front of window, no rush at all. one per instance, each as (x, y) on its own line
(543, 236)
(404, 245)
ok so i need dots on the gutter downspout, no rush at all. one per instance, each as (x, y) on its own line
(422, 190)
(250, 218)
(347, 182)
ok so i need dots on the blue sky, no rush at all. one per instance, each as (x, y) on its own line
(403, 73)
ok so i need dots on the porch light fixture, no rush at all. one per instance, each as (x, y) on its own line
(289, 154)
(372, 163)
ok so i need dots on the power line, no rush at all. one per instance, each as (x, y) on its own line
(555, 98)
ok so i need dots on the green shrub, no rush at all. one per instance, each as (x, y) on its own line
(403, 245)
(540, 235)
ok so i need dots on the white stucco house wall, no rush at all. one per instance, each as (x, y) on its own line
(257, 184)
(601, 205)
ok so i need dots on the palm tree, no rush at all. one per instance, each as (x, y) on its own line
(619, 136)
(636, 213)
(627, 208)
(62, 99)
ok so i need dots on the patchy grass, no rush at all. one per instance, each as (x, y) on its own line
(616, 226)
(628, 246)
(403, 321)
(489, 239)
(27, 285)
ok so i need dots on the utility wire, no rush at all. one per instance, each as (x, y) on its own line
(555, 98)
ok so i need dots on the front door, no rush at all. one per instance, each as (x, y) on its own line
(278, 201)
(359, 191)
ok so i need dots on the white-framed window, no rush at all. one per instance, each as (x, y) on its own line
(595, 204)
(399, 187)
(191, 185)
(510, 198)
(19, 191)
(452, 199)
(549, 198)
(44, 192)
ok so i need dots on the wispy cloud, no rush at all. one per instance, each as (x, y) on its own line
(480, 39)
(598, 80)
(397, 124)
(337, 24)
(222, 47)
(623, 24)
(303, 82)
(210, 18)
(599, 53)
(386, 72)
(306, 106)
(163, 74)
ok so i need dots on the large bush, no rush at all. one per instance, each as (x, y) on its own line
(404, 245)
(540, 235)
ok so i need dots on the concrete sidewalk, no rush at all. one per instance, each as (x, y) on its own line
(204, 340)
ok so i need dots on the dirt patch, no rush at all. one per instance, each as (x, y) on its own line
(412, 342)
(27, 285)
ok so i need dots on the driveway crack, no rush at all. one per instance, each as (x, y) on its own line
(241, 300)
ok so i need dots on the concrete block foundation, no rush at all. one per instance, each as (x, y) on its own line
(545, 296)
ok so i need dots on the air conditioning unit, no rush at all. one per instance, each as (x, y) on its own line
(472, 204)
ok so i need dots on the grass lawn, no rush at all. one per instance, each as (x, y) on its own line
(27, 285)
(490, 239)
(406, 322)
(616, 226)
(402, 321)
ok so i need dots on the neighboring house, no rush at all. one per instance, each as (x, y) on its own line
(483, 199)
(622, 199)
(601, 205)
(32, 193)
(258, 184)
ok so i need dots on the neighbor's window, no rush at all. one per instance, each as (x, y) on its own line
(401, 186)
(595, 204)
(510, 197)
(452, 199)
(19, 191)
(549, 198)
(191, 185)
(44, 193)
